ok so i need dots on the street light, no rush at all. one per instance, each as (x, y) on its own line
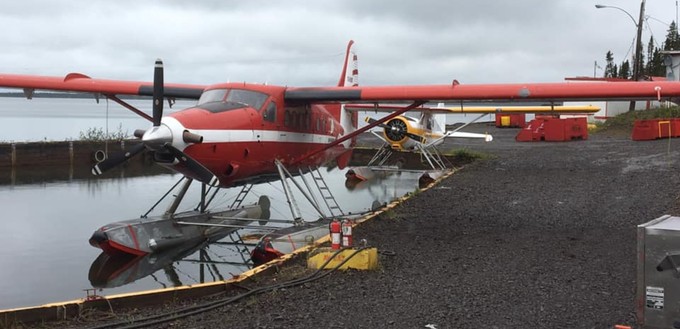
(621, 9)
(637, 63)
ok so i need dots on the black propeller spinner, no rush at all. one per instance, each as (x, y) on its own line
(159, 138)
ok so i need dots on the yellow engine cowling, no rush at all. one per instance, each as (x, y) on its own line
(397, 130)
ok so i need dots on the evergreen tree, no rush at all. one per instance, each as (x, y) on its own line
(657, 68)
(624, 70)
(610, 68)
(649, 68)
(672, 38)
(615, 71)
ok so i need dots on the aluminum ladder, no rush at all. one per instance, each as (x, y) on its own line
(241, 196)
(325, 192)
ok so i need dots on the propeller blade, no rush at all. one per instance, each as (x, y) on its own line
(416, 137)
(158, 92)
(204, 175)
(116, 159)
(381, 125)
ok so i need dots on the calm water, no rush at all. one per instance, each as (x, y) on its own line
(45, 256)
(56, 119)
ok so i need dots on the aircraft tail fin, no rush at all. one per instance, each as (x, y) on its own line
(350, 70)
(436, 122)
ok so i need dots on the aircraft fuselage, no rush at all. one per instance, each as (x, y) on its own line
(245, 127)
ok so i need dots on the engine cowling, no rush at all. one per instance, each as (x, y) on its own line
(399, 131)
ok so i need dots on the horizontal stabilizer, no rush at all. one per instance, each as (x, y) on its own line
(460, 134)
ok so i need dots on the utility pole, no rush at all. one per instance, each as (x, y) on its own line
(638, 51)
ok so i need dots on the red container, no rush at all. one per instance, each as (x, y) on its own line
(644, 130)
(665, 128)
(575, 128)
(675, 124)
(525, 135)
(553, 130)
(516, 120)
(532, 132)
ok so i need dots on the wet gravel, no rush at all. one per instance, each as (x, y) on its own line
(536, 235)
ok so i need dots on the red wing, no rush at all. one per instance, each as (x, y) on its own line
(82, 83)
(566, 91)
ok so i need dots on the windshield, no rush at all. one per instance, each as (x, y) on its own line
(215, 95)
(251, 98)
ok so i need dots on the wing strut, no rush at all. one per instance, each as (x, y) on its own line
(128, 106)
(360, 130)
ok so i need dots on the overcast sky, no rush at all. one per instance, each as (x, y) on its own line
(301, 43)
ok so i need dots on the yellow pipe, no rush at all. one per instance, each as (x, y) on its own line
(582, 109)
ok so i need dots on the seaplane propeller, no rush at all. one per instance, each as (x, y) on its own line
(158, 139)
(396, 130)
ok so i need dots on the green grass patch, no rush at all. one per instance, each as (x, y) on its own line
(465, 155)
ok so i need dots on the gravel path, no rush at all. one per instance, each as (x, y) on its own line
(538, 235)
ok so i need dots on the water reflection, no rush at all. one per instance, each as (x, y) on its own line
(60, 173)
(111, 271)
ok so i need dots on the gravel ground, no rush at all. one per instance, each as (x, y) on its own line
(537, 235)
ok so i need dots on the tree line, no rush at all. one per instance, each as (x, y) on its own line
(652, 60)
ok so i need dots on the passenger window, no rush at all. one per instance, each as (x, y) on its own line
(270, 113)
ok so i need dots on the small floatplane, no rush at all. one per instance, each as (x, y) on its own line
(242, 133)
(424, 134)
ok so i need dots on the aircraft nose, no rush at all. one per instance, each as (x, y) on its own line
(157, 136)
(98, 238)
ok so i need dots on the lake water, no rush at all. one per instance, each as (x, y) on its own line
(58, 119)
(45, 255)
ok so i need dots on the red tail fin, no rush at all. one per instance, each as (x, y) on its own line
(350, 70)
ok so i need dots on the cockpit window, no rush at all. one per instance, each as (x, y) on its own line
(215, 95)
(253, 98)
(250, 98)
